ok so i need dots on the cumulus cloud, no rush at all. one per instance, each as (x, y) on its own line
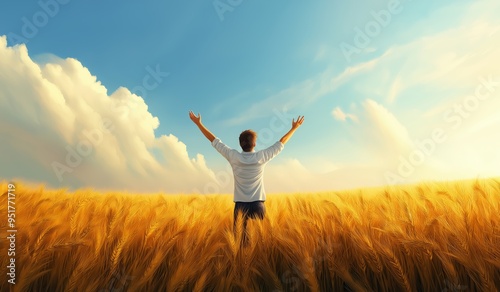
(59, 125)
(340, 115)
(385, 130)
(376, 141)
(379, 139)
(392, 153)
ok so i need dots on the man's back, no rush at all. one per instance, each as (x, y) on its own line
(248, 170)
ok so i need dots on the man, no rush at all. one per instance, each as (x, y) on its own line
(248, 169)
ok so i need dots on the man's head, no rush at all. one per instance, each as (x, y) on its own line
(248, 138)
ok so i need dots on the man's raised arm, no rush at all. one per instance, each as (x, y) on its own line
(197, 121)
(295, 126)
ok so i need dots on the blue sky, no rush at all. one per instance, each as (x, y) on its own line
(254, 64)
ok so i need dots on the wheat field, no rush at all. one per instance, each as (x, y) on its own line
(425, 237)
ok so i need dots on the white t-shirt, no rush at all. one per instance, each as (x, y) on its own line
(248, 169)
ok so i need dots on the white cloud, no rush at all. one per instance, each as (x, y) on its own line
(340, 115)
(52, 117)
(304, 92)
(386, 130)
(449, 59)
(395, 89)
(378, 138)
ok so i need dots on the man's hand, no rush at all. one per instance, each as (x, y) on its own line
(197, 120)
(298, 123)
(295, 126)
(194, 118)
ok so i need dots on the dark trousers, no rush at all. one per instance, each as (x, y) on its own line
(248, 210)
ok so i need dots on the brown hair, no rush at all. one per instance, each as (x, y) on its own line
(247, 140)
